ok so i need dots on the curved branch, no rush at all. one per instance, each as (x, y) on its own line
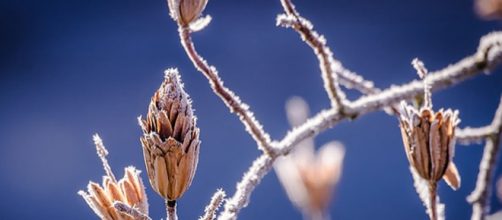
(231, 100)
(328, 65)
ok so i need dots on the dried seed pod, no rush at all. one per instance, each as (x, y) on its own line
(186, 11)
(170, 139)
(101, 198)
(309, 180)
(428, 139)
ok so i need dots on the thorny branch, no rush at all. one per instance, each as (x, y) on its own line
(480, 197)
(488, 55)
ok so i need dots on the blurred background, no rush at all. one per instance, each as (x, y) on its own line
(69, 69)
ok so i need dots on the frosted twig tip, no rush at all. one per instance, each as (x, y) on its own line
(214, 204)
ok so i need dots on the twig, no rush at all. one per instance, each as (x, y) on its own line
(489, 55)
(102, 153)
(214, 204)
(328, 65)
(232, 101)
(135, 213)
(470, 135)
(480, 197)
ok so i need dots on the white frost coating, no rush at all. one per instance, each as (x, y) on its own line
(470, 135)
(134, 212)
(102, 153)
(214, 204)
(317, 42)
(421, 186)
(261, 166)
(489, 55)
(233, 102)
(325, 119)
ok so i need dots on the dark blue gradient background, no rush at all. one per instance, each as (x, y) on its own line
(69, 69)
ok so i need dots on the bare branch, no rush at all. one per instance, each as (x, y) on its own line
(328, 65)
(470, 135)
(489, 55)
(261, 166)
(135, 213)
(214, 204)
(232, 101)
(480, 197)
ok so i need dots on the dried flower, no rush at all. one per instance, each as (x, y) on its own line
(186, 11)
(128, 190)
(170, 139)
(429, 142)
(428, 137)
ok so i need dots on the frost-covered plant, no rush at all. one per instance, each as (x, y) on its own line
(170, 136)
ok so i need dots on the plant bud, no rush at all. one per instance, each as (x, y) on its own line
(186, 11)
(129, 190)
(170, 139)
(428, 139)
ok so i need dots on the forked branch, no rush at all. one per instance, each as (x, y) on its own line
(488, 56)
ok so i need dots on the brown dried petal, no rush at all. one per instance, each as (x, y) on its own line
(452, 177)
(161, 181)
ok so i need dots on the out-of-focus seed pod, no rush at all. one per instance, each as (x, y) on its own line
(170, 139)
(309, 180)
(489, 9)
(428, 139)
(128, 190)
(186, 11)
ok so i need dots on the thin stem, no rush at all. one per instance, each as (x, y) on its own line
(231, 100)
(327, 63)
(432, 193)
(171, 210)
(102, 153)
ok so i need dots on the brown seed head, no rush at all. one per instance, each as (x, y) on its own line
(428, 139)
(101, 198)
(170, 139)
(186, 11)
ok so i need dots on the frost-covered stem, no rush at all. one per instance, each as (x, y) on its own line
(422, 73)
(480, 197)
(432, 196)
(232, 101)
(261, 166)
(468, 135)
(102, 153)
(135, 213)
(451, 75)
(487, 57)
(214, 204)
(327, 63)
(171, 210)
